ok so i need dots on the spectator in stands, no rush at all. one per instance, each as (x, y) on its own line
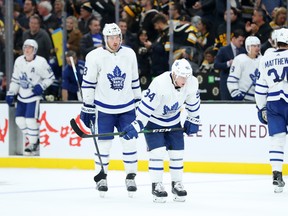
(204, 8)
(70, 85)
(269, 5)
(40, 35)
(236, 23)
(28, 10)
(224, 60)
(143, 59)
(49, 20)
(73, 35)
(178, 15)
(128, 39)
(131, 14)
(92, 39)
(58, 9)
(208, 77)
(106, 9)
(279, 19)
(260, 26)
(160, 48)
(85, 15)
(146, 19)
(205, 34)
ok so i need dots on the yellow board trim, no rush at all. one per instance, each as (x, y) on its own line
(88, 164)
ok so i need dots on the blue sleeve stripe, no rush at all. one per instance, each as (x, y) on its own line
(87, 87)
(136, 87)
(137, 80)
(143, 113)
(260, 93)
(264, 86)
(91, 83)
(193, 110)
(237, 78)
(146, 105)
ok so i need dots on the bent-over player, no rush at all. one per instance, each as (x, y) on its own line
(160, 108)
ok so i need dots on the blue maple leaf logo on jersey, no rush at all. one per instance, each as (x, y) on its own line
(23, 79)
(171, 110)
(116, 79)
(254, 77)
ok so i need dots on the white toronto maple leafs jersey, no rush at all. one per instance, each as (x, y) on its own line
(272, 84)
(28, 74)
(243, 75)
(161, 103)
(111, 80)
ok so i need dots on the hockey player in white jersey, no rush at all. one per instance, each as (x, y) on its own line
(31, 76)
(111, 87)
(272, 102)
(160, 107)
(244, 71)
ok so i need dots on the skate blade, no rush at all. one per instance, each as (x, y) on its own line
(278, 189)
(159, 199)
(179, 198)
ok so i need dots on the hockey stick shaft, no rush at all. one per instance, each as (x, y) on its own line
(75, 74)
(82, 134)
(92, 128)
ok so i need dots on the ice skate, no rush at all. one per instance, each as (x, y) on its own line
(131, 184)
(178, 192)
(102, 187)
(32, 150)
(278, 182)
(159, 193)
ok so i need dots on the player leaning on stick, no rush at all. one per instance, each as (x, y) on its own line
(272, 102)
(160, 108)
(111, 86)
(31, 76)
(244, 71)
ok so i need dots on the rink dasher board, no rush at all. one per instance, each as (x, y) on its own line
(230, 140)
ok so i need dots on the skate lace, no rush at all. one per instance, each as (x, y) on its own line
(179, 186)
(160, 187)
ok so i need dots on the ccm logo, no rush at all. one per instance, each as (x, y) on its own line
(162, 130)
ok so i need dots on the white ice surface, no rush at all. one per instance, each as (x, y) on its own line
(47, 192)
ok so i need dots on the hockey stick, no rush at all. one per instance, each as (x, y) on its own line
(75, 74)
(81, 134)
(92, 128)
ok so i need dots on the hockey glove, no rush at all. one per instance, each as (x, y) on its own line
(191, 125)
(10, 98)
(88, 114)
(262, 115)
(38, 90)
(237, 95)
(131, 131)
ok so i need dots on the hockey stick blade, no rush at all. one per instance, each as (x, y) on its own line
(81, 134)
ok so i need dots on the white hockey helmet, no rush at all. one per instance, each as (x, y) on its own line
(182, 68)
(111, 29)
(31, 42)
(251, 40)
(282, 35)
